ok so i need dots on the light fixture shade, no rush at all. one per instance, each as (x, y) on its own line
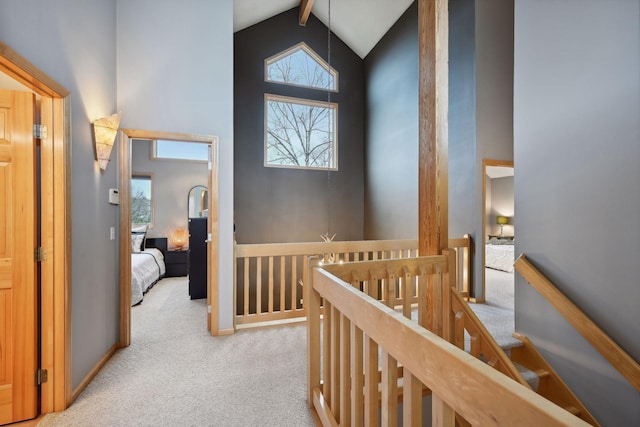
(179, 238)
(502, 220)
(105, 131)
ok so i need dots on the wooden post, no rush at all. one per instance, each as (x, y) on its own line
(312, 306)
(433, 236)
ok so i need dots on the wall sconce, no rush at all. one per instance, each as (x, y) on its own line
(501, 221)
(179, 239)
(104, 132)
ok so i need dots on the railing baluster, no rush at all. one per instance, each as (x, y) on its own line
(357, 377)
(294, 283)
(335, 362)
(270, 284)
(389, 390)
(327, 365)
(258, 285)
(282, 284)
(411, 400)
(246, 286)
(370, 382)
(345, 371)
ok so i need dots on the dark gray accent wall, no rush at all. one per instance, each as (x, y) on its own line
(391, 75)
(577, 196)
(288, 205)
(463, 172)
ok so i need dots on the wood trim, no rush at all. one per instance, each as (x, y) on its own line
(433, 126)
(124, 228)
(18, 68)
(305, 11)
(56, 308)
(279, 249)
(124, 176)
(213, 244)
(480, 297)
(615, 355)
(91, 375)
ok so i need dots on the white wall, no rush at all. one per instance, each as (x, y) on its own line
(577, 157)
(73, 42)
(175, 74)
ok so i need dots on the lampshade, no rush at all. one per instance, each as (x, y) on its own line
(502, 220)
(179, 238)
(105, 131)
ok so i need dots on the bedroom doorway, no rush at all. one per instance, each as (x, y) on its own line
(498, 232)
(124, 174)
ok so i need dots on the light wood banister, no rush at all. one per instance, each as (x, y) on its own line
(611, 351)
(454, 376)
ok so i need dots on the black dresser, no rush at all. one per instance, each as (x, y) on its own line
(197, 258)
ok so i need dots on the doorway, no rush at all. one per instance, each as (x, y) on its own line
(498, 228)
(124, 173)
(49, 194)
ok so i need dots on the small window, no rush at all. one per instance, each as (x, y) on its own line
(179, 150)
(141, 200)
(301, 66)
(300, 133)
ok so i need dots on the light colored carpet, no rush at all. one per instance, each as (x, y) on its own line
(497, 312)
(176, 374)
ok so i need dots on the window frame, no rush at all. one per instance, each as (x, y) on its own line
(302, 46)
(149, 176)
(303, 101)
(154, 152)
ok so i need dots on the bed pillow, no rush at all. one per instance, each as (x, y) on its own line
(137, 240)
(142, 242)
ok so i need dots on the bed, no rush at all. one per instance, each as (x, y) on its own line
(147, 266)
(499, 254)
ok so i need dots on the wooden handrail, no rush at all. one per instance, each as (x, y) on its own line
(305, 248)
(625, 364)
(453, 375)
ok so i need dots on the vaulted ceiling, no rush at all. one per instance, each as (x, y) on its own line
(358, 23)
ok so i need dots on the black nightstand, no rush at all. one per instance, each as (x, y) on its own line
(177, 263)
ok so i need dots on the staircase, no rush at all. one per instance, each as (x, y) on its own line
(514, 355)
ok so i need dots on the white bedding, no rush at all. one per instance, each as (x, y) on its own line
(500, 257)
(147, 267)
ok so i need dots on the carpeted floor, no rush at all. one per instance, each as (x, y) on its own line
(176, 374)
(497, 312)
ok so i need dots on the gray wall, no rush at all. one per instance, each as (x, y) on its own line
(160, 46)
(463, 171)
(288, 205)
(175, 74)
(74, 43)
(500, 203)
(577, 154)
(172, 181)
(391, 75)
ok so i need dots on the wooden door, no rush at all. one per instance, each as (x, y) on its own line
(18, 305)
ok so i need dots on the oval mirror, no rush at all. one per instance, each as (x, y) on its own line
(198, 202)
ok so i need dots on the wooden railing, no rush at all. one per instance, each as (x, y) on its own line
(611, 351)
(268, 276)
(345, 385)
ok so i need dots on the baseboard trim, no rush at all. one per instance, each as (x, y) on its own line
(91, 375)
(223, 332)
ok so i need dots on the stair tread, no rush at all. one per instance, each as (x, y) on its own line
(530, 376)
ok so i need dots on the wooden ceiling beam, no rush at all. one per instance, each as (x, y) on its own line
(305, 11)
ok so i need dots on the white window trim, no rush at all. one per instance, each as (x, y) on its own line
(333, 105)
(314, 55)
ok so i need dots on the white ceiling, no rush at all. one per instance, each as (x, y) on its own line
(358, 23)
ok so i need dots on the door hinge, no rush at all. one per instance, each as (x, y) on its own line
(39, 131)
(42, 376)
(40, 254)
